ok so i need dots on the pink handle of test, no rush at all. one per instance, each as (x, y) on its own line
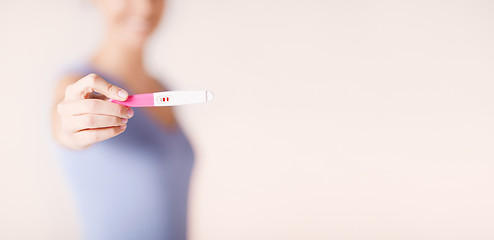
(138, 100)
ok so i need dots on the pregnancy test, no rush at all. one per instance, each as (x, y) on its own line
(168, 98)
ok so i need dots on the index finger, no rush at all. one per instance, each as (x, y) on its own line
(93, 82)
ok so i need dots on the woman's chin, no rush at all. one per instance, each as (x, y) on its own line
(136, 38)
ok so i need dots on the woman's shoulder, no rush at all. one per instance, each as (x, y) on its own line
(75, 68)
(69, 73)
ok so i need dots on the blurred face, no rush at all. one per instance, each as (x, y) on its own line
(131, 21)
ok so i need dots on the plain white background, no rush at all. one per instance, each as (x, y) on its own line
(332, 119)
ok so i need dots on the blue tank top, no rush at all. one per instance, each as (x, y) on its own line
(135, 185)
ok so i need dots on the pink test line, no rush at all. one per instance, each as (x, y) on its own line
(138, 100)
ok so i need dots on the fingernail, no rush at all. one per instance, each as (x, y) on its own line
(124, 120)
(130, 113)
(122, 126)
(122, 94)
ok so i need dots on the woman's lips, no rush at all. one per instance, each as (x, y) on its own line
(139, 25)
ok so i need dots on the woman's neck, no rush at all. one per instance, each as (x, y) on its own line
(124, 62)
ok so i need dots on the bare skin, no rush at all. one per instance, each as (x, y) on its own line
(78, 119)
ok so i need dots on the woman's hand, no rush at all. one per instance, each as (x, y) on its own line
(83, 120)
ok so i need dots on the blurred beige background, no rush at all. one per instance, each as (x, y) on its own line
(332, 119)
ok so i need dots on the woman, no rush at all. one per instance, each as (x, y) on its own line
(129, 169)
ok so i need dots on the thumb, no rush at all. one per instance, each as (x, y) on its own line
(94, 82)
